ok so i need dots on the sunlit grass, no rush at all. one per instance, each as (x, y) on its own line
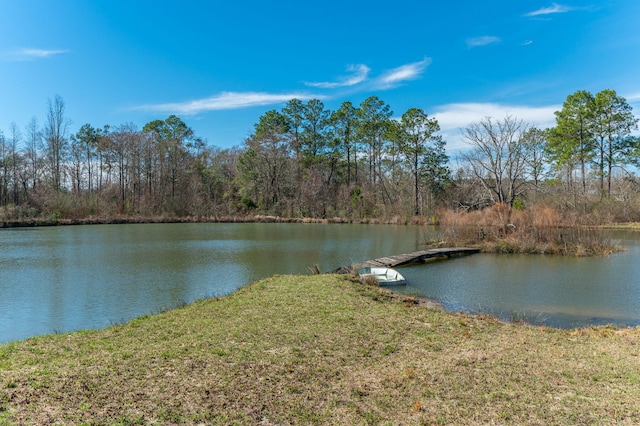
(321, 350)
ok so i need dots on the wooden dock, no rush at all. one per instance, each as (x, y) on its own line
(415, 257)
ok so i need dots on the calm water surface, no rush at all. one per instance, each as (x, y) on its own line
(551, 290)
(62, 279)
(57, 279)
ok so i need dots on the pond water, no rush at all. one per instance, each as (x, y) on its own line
(59, 279)
(551, 290)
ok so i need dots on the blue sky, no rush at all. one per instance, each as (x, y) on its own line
(220, 65)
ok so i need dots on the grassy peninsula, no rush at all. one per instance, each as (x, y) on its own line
(321, 350)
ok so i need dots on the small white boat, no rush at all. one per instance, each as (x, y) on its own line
(384, 276)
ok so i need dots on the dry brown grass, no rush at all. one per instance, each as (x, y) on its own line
(321, 350)
(538, 229)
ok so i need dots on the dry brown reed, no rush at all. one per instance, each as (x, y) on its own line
(538, 229)
(369, 280)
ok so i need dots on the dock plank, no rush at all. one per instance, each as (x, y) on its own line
(407, 258)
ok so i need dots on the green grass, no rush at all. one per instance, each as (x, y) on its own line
(321, 350)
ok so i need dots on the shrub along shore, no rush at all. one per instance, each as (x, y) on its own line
(537, 230)
(321, 350)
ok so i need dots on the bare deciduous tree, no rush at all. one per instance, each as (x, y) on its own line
(55, 136)
(499, 156)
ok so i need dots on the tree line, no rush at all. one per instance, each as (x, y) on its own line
(584, 163)
(301, 161)
(305, 160)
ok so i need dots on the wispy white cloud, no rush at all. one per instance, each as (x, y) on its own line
(526, 43)
(26, 54)
(482, 41)
(633, 100)
(554, 8)
(453, 118)
(396, 76)
(387, 80)
(235, 100)
(633, 97)
(358, 72)
(225, 101)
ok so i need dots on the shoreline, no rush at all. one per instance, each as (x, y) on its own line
(120, 220)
